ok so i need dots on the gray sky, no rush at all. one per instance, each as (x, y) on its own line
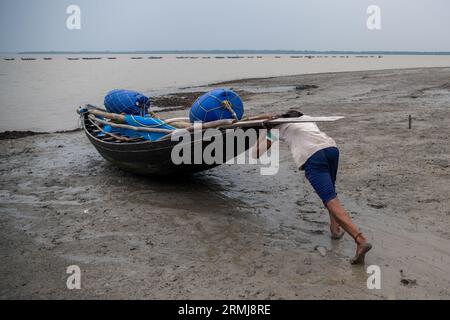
(123, 25)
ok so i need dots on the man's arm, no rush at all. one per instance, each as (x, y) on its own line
(262, 145)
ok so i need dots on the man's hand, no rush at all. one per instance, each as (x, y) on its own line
(267, 125)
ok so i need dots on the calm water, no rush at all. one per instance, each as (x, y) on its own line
(42, 95)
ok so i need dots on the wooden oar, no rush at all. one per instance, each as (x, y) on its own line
(306, 119)
(303, 119)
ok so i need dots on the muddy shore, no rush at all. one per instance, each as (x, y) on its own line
(230, 232)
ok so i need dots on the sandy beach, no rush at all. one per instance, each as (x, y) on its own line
(230, 232)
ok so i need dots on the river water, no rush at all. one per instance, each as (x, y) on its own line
(42, 95)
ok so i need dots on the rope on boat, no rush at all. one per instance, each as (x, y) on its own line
(229, 107)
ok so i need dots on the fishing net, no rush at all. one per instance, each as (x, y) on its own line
(217, 105)
(127, 101)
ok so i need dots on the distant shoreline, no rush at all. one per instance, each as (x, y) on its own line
(304, 52)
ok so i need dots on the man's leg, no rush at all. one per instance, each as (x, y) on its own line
(321, 173)
(343, 219)
(321, 170)
(338, 213)
(335, 229)
(332, 155)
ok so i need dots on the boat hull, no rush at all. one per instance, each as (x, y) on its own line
(155, 158)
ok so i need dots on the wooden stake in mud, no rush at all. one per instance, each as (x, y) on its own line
(409, 122)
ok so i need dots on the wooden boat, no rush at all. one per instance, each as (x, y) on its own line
(8, 59)
(153, 157)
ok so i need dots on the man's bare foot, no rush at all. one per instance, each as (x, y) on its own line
(362, 248)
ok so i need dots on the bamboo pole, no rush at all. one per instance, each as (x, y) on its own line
(183, 119)
(113, 116)
(121, 118)
(212, 124)
(125, 126)
(178, 122)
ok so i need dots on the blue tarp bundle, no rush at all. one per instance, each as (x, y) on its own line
(138, 121)
(127, 101)
(210, 106)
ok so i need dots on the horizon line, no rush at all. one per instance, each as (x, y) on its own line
(235, 51)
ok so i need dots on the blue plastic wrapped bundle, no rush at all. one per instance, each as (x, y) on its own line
(217, 105)
(127, 101)
(138, 121)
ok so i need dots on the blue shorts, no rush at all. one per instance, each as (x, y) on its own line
(321, 170)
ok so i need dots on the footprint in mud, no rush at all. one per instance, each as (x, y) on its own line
(377, 205)
(310, 220)
(312, 231)
(308, 211)
(407, 282)
(321, 250)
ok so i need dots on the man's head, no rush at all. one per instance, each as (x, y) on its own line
(292, 114)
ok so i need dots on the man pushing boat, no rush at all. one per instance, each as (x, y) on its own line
(317, 155)
(314, 152)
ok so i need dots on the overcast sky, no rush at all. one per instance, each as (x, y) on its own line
(126, 25)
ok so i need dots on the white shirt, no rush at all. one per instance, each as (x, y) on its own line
(304, 140)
